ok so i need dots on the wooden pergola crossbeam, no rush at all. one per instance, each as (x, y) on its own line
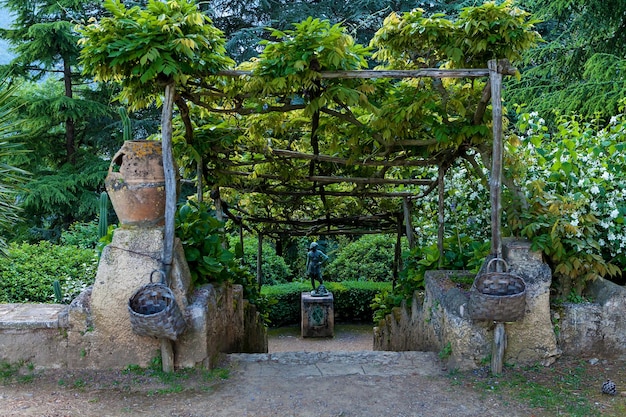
(373, 74)
(310, 193)
(370, 162)
(332, 179)
(368, 180)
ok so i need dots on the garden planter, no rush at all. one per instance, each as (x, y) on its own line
(136, 184)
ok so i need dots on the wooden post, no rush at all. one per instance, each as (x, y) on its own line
(397, 253)
(441, 213)
(167, 353)
(406, 206)
(495, 78)
(259, 260)
(200, 176)
(497, 351)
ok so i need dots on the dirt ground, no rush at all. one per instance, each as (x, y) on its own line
(568, 388)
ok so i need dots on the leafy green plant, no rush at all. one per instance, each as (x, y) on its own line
(11, 177)
(575, 181)
(82, 235)
(16, 372)
(460, 253)
(202, 237)
(144, 48)
(445, 352)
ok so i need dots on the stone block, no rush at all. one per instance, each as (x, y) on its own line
(318, 315)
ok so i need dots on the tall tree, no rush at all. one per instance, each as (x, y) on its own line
(582, 65)
(57, 112)
(45, 44)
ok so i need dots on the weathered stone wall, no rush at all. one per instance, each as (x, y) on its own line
(440, 322)
(95, 332)
(219, 320)
(596, 328)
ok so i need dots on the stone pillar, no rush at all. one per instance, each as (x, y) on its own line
(106, 339)
(531, 339)
(318, 315)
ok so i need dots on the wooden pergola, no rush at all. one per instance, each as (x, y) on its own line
(398, 222)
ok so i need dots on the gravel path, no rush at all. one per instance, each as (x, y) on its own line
(307, 383)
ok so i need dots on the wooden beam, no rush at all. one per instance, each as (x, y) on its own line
(332, 179)
(495, 183)
(341, 221)
(365, 74)
(259, 261)
(406, 206)
(441, 214)
(365, 180)
(360, 194)
(343, 161)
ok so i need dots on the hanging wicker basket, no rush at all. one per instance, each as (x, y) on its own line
(154, 312)
(497, 296)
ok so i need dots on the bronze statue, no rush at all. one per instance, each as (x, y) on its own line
(314, 260)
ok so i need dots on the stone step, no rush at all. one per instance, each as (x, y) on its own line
(336, 363)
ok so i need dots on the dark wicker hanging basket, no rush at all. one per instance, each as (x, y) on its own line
(497, 296)
(154, 312)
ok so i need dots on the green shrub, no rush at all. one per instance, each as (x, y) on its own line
(28, 272)
(83, 235)
(274, 269)
(370, 258)
(209, 262)
(460, 253)
(352, 300)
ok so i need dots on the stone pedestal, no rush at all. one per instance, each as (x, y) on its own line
(318, 315)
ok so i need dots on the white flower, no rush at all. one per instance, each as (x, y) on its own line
(606, 176)
(613, 120)
(594, 189)
(614, 214)
(593, 205)
(611, 236)
(574, 222)
(601, 242)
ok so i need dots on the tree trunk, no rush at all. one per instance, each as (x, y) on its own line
(70, 129)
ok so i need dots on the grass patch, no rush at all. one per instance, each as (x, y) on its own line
(567, 388)
(20, 372)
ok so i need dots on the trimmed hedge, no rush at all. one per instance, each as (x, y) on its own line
(28, 272)
(352, 300)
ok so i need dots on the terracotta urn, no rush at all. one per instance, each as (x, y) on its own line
(136, 184)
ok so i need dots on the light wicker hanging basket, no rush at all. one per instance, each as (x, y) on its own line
(497, 296)
(155, 313)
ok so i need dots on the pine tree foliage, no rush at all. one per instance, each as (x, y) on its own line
(580, 67)
(60, 197)
(58, 112)
(11, 178)
(244, 22)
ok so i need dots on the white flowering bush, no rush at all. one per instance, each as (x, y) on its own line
(574, 178)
